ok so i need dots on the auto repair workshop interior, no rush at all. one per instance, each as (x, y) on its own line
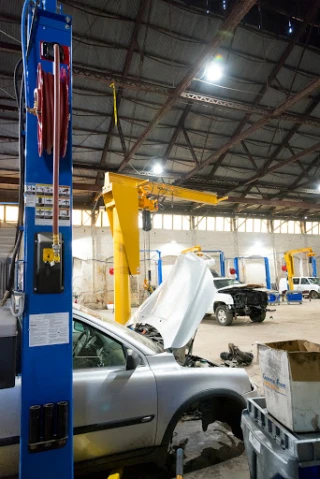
(160, 239)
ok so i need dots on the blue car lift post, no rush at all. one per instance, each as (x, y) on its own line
(266, 265)
(314, 266)
(46, 439)
(159, 263)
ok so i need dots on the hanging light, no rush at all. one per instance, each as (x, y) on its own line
(290, 29)
(214, 70)
(157, 168)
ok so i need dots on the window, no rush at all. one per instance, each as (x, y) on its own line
(264, 226)
(86, 218)
(177, 222)
(186, 222)
(210, 224)
(241, 225)
(167, 222)
(1, 213)
(93, 349)
(227, 224)
(223, 283)
(104, 219)
(157, 221)
(219, 223)
(11, 214)
(76, 217)
(249, 225)
(202, 224)
(312, 227)
(99, 219)
(304, 281)
(295, 280)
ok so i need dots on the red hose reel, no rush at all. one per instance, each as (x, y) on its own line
(43, 99)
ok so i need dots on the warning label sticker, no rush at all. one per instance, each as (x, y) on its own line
(40, 197)
(48, 329)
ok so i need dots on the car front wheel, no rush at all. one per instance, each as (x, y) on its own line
(258, 316)
(313, 295)
(223, 316)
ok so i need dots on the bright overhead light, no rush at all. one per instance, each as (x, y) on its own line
(214, 71)
(157, 169)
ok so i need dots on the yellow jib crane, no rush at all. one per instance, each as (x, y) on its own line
(288, 258)
(123, 197)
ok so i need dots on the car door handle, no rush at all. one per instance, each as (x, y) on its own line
(147, 418)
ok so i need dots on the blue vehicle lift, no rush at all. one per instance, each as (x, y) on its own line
(159, 263)
(314, 266)
(266, 265)
(46, 440)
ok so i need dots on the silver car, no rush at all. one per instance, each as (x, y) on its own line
(128, 397)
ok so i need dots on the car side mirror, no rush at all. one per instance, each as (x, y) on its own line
(133, 360)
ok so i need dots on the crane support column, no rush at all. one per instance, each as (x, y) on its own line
(121, 272)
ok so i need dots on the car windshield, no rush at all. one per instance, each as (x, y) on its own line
(224, 282)
(314, 280)
(123, 331)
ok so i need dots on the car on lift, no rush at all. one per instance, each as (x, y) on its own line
(232, 299)
(129, 396)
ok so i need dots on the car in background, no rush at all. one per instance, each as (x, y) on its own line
(308, 285)
(232, 299)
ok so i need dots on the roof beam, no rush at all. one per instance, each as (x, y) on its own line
(176, 132)
(131, 83)
(244, 134)
(246, 149)
(297, 34)
(237, 13)
(288, 161)
(186, 136)
(285, 144)
(125, 72)
(8, 180)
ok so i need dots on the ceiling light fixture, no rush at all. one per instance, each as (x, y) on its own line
(214, 69)
(157, 169)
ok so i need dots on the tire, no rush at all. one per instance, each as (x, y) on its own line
(223, 316)
(258, 316)
(313, 295)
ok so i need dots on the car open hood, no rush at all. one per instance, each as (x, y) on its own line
(178, 305)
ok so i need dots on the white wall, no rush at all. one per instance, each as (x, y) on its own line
(96, 243)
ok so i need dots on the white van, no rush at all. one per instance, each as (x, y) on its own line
(304, 284)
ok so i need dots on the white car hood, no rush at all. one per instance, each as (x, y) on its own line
(178, 305)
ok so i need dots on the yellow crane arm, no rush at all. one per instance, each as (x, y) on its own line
(288, 258)
(124, 196)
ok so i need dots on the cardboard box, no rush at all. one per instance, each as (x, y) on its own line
(291, 377)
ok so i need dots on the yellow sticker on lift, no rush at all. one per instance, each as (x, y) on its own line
(47, 255)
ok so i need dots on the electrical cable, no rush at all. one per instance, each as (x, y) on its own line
(20, 97)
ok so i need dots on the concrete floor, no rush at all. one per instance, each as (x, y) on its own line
(295, 321)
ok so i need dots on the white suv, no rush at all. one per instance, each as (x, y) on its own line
(304, 283)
